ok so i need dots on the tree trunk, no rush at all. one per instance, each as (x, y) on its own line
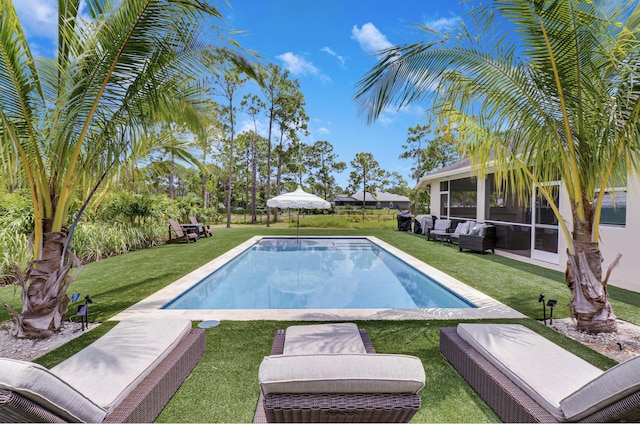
(589, 305)
(44, 289)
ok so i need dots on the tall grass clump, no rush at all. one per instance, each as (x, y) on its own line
(95, 241)
(371, 222)
(321, 221)
(16, 223)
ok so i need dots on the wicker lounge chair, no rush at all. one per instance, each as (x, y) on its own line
(587, 395)
(111, 380)
(203, 229)
(182, 234)
(286, 404)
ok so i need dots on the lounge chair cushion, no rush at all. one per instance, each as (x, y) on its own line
(111, 367)
(464, 227)
(442, 225)
(323, 338)
(542, 369)
(36, 383)
(611, 386)
(341, 373)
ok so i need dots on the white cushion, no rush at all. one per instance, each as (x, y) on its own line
(461, 228)
(541, 368)
(46, 389)
(109, 369)
(614, 384)
(442, 224)
(323, 338)
(341, 373)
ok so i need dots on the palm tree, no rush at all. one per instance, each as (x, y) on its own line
(120, 66)
(546, 90)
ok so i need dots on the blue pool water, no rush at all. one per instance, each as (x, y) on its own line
(325, 273)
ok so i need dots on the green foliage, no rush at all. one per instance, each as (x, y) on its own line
(95, 241)
(321, 221)
(120, 223)
(16, 223)
(133, 208)
(189, 205)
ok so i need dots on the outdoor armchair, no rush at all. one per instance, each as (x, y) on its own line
(181, 234)
(203, 229)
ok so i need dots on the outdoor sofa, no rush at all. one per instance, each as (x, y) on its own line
(524, 377)
(127, 375)
(331, 373)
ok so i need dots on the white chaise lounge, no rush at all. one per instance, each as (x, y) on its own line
(331, 373)
(524, 377)
(127, 375)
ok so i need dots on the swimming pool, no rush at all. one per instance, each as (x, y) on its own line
(321, 273)
(152, 307)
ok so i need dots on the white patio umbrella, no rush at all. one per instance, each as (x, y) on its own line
(298, 199)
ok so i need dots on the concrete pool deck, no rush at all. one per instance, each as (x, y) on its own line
(151, 307)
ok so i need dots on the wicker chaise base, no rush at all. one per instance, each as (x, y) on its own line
(142, 405)
(147, 400)
(334, 407)
(341, 407)
(506, 399)
(15, 408)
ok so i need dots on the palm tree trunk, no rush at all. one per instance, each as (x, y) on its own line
(589, 305)
(44, 288)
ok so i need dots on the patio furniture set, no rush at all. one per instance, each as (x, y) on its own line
(321, 373)
(470, 235)
(186, 233)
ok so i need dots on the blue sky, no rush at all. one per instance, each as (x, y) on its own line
(328, 45)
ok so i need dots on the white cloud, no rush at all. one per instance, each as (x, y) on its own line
(39, 18)
(444, 24)
(390, 115)
(341, 59)
(323, 131)
(370, 38)
(298, 65)
(247, 125)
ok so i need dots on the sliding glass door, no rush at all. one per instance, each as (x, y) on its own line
(544, 237)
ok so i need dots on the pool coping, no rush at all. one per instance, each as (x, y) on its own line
(151, 307)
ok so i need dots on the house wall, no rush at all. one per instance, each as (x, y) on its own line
(624, 240)
(613, 239)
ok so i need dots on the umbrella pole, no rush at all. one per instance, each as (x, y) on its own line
(298, 226)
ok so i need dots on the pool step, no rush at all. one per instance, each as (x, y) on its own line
(347, 245)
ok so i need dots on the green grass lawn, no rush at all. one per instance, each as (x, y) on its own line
(224, 388)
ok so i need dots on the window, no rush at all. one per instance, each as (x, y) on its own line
(614, 202)
(463, 198)
(504, 206)
(614, 207)
(444, 205)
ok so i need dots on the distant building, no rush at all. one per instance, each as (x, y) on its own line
(379, 200)
(342, 200)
